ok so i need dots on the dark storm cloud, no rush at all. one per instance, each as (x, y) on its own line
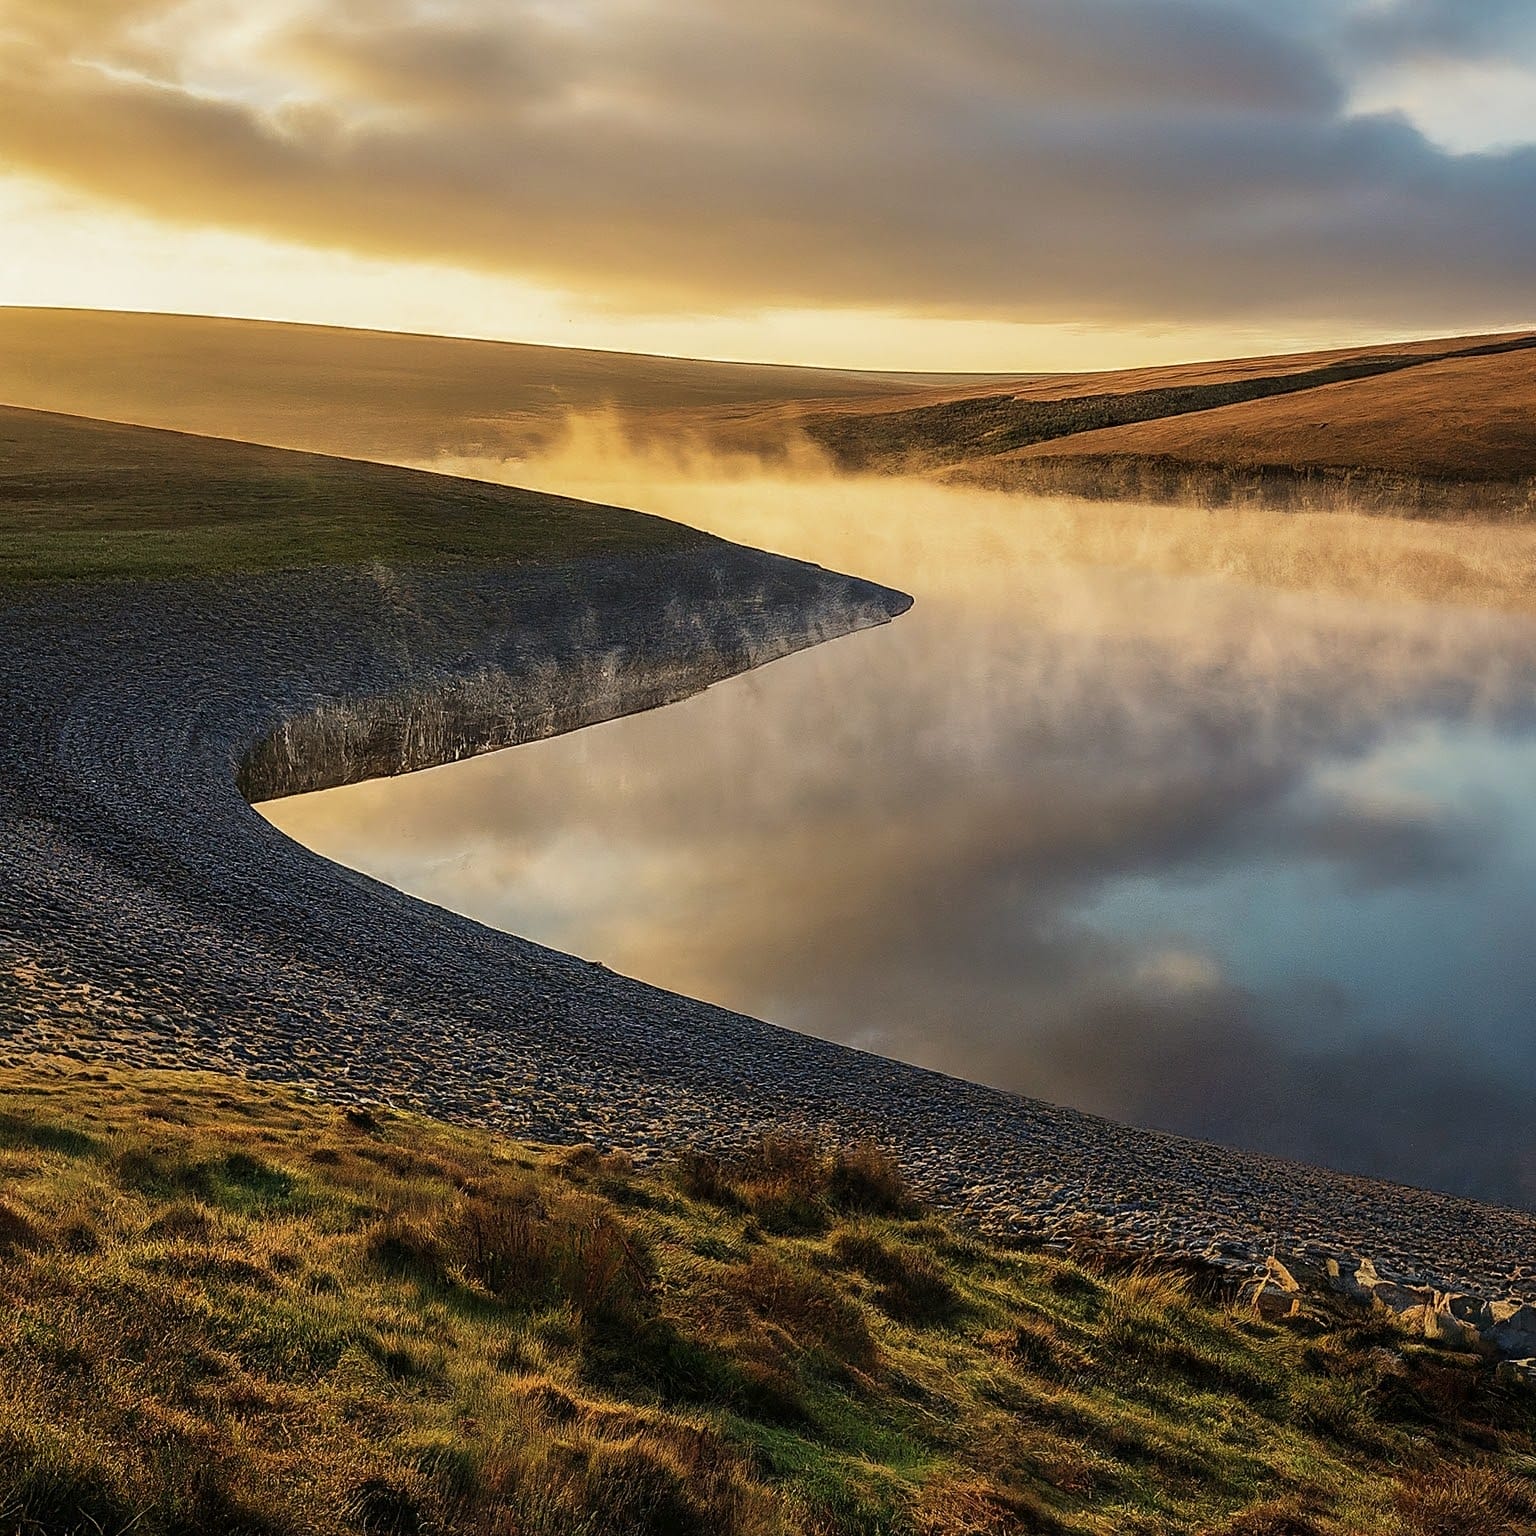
(1456, 29)
(1046, 159)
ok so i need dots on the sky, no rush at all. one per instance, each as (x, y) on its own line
(941, 184)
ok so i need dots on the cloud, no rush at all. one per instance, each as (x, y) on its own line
(1380, 843)
(1444, 29)
(1418, 1108)
(1025, 158)
(1095, 160)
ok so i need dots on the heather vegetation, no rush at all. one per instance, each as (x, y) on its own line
(229, 1307)
(977, 428)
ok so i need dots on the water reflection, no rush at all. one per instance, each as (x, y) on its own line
(1096, 821)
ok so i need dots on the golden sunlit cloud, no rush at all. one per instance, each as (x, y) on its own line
(991, 184)
(57, 240)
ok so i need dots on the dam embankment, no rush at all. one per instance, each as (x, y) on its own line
(148, 916)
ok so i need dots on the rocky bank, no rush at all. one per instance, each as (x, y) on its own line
(148, 916)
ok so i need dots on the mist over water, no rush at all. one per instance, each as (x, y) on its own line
(1219, 822)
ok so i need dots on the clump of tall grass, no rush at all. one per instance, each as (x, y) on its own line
(223, 1308)
(792, 1185)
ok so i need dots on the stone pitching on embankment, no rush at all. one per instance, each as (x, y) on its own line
(149, 917)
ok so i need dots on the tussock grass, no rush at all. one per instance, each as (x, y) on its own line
(225, 1307)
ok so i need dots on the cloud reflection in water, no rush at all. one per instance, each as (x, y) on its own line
(1242, 861)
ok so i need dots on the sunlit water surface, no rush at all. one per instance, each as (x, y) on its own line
(1224, 823)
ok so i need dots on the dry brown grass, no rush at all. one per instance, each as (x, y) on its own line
(415, 399)
(1469, 418)
(789, 1184)
(1467, 1501)
(226, 1308)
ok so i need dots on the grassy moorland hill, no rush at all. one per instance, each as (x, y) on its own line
(228, 1307)
(1448, 410)
(1444, 410)
(370, 394)
(1458, 416)
(94, 499)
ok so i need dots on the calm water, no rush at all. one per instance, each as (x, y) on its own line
(1221, 824)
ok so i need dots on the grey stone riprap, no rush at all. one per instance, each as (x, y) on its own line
(149, 917)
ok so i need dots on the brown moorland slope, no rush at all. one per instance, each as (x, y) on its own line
(374, 394)
(1435, 422)
(1453, 418)
(1414, 418)
(1160, 376)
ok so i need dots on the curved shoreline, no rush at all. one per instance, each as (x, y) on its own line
(184, 619)
(150, 917)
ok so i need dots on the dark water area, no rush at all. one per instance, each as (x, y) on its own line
(1221, 823)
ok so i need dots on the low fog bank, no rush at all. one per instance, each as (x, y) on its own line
(1209, 821)
(783, 493)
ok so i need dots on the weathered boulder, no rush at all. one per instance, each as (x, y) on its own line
(1513, 1329)
(1401, 1298)
(1452, 1318)
(1350, 1276)
(1273, 1293)
(1359, 1280)
(1466, 1309)
(1439, 1325)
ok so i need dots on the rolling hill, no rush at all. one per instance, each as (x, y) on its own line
(1430, 423)
(373, 394)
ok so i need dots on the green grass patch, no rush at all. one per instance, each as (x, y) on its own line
(229, 1307)
(83, 499)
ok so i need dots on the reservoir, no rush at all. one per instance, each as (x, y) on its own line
(1218, 821)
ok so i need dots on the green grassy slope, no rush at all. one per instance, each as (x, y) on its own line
(226, 1307)
(83, 498)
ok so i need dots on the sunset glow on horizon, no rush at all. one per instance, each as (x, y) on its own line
(999, 185)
